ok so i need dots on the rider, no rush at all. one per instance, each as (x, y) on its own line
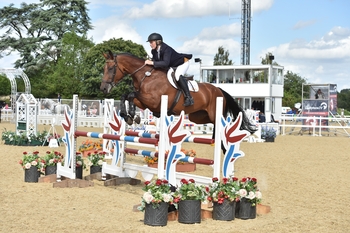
(165, 56)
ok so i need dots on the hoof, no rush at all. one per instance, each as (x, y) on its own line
(137, 119)
(129, 120)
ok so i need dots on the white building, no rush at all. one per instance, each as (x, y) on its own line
(253, 86)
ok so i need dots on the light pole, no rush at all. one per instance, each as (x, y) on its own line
(200, 71)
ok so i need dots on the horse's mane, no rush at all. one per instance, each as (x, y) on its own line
(128, 54)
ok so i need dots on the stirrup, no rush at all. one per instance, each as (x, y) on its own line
(188, 101)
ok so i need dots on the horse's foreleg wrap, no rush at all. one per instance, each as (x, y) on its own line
(132, 108)
(123, 112)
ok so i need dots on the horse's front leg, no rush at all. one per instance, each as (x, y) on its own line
(132, 108)
(123, 112)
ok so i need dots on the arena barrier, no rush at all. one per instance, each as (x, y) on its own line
(168, 140)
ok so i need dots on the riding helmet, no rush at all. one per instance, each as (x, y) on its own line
(155, 36)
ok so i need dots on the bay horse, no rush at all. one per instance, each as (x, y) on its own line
(150, 84)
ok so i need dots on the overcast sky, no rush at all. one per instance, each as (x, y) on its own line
(308, 37)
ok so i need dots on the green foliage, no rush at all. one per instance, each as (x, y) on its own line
(156, 191)
(221, 58)
(267, 61)
(344, 100)
(36, 30)
(293, 84)
(189, 190)
(5, 86)
(94, 64)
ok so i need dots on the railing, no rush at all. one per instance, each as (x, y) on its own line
(315, 125)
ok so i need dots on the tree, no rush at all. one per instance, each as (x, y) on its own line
(344, 99)
(94, 64)
(267, 60)
(35, 31)
(221, 58)
(5, 86)
(293, 84)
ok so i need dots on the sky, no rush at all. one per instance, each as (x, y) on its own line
(310, 38)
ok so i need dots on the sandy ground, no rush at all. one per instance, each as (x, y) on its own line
(305, 181)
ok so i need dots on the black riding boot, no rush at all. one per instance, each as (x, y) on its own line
(188, 98)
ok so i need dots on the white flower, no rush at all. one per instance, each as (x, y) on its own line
(258, 194)
(243, 192)
(100, 162)
(34, 163)
(27, 165)
(147, 196)
(51, 161)
(80, 163)
(167, 197)
(251, 195)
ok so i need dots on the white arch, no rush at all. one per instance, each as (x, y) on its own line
(12, 74)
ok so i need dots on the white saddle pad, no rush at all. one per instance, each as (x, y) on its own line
(192, 85)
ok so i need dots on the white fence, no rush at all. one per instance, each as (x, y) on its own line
(315, 125)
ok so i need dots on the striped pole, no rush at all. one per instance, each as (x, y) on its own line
(116, 137)
(187, 159)
(153, 135)
(141, 134)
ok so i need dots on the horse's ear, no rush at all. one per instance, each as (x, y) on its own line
(105, 55)
(111, 56)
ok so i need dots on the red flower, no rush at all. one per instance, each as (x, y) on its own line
(191, 180)
(25, 153)
(184, 181)
(224, 180)
(165, 182)
(234, 178)
(147, 183)
(215, 179)
(159, 182)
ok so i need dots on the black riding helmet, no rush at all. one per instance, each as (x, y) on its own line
(155, 36)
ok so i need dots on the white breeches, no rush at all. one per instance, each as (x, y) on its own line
(181, 70)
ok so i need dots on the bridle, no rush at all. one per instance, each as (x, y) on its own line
(115, 67)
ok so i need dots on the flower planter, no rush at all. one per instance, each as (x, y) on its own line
(180, 167)
(246, 210)
(86, 152)
(95, 169)
(224, 211)
(79, 172)
(269, 139)
(189, 211)
(31, 175)
(156, 216)
(50, 170)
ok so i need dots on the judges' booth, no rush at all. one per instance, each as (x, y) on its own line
(318, 100)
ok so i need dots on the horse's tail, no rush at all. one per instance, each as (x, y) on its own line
(233, 108)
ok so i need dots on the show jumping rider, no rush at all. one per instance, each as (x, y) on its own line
(164, 56)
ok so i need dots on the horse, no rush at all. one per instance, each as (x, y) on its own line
(150, 84)
(54, 107)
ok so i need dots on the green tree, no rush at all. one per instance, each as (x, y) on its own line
(67, 77)
(344, 99)
(5, 86)
(221, 58)
(293, 84)
(35, 31)
(94, 64)
(267, 61)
